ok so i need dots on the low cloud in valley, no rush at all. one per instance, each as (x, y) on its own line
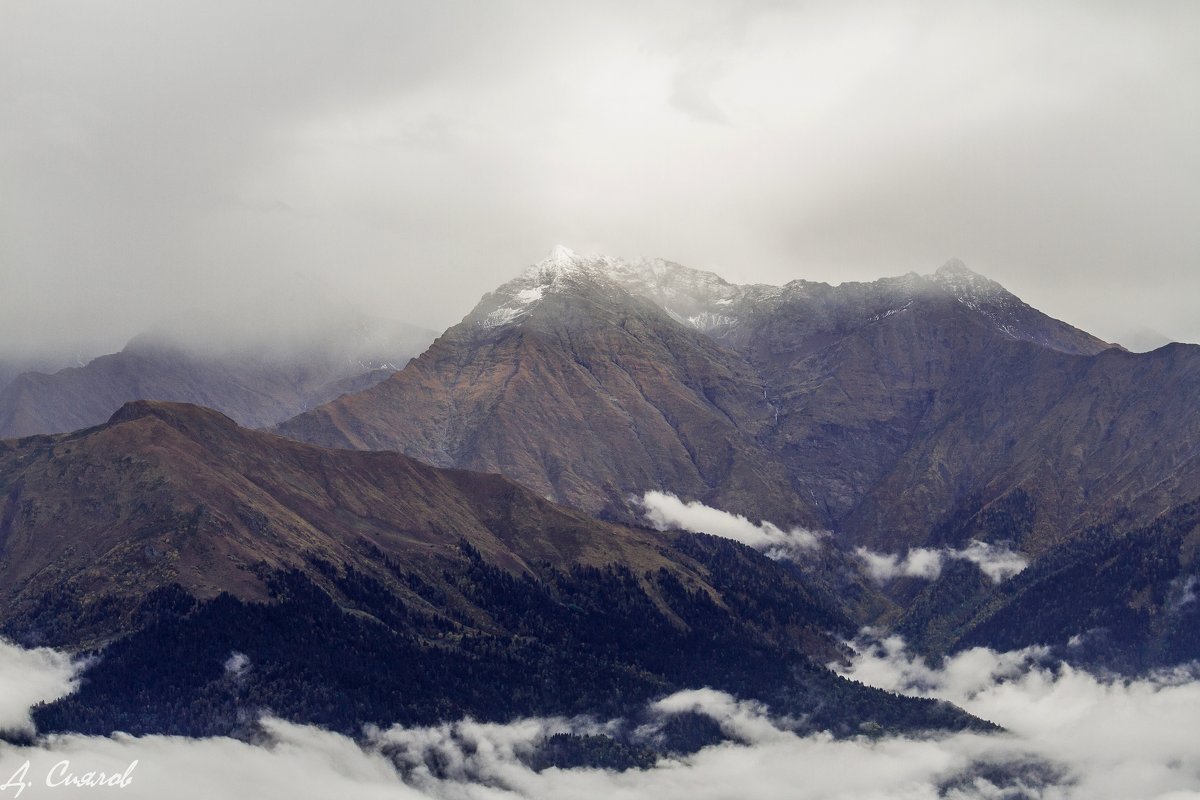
(1069, 735)
(665, 511)
(998, 562)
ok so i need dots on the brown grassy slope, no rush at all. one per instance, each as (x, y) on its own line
(169, 493)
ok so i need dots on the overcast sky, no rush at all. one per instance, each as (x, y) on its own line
(164, 156)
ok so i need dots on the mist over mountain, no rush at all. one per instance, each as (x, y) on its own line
(12, 367)
(258, 379)
(1144, 339)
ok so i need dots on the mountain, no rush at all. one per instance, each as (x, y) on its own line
(817, 312)
(569, 383)
(222, 571)
(917, 410)
(1038, 447)
(257, 385)
(865, 376)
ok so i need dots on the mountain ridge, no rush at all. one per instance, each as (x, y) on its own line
(706, 301)
(169, 539)
(855, 408)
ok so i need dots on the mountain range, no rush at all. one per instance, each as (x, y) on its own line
(478, 515)
(224, 570)
(909, 411)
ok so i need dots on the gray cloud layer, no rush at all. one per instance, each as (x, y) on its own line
(158, 157)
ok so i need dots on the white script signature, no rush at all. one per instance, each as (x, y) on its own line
(62, 776)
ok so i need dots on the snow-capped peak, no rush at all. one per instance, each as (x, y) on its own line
(517, 298)
(706, 302)
(699, 299)
(970, 288)
(563, 261)
(561, 254)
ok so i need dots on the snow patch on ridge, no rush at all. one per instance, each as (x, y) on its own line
(706, 302)
(688, 296)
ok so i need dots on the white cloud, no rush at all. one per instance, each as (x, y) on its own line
(665, 511)
(998, 562)
(28, 677)
(743, 720)
(920, 562)
(1117, 738)
(1070, 735)
(1182, 592)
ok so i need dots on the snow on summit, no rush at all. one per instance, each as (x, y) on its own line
(692, 297)
(517, 298)
(969, 287)
(707, 302)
